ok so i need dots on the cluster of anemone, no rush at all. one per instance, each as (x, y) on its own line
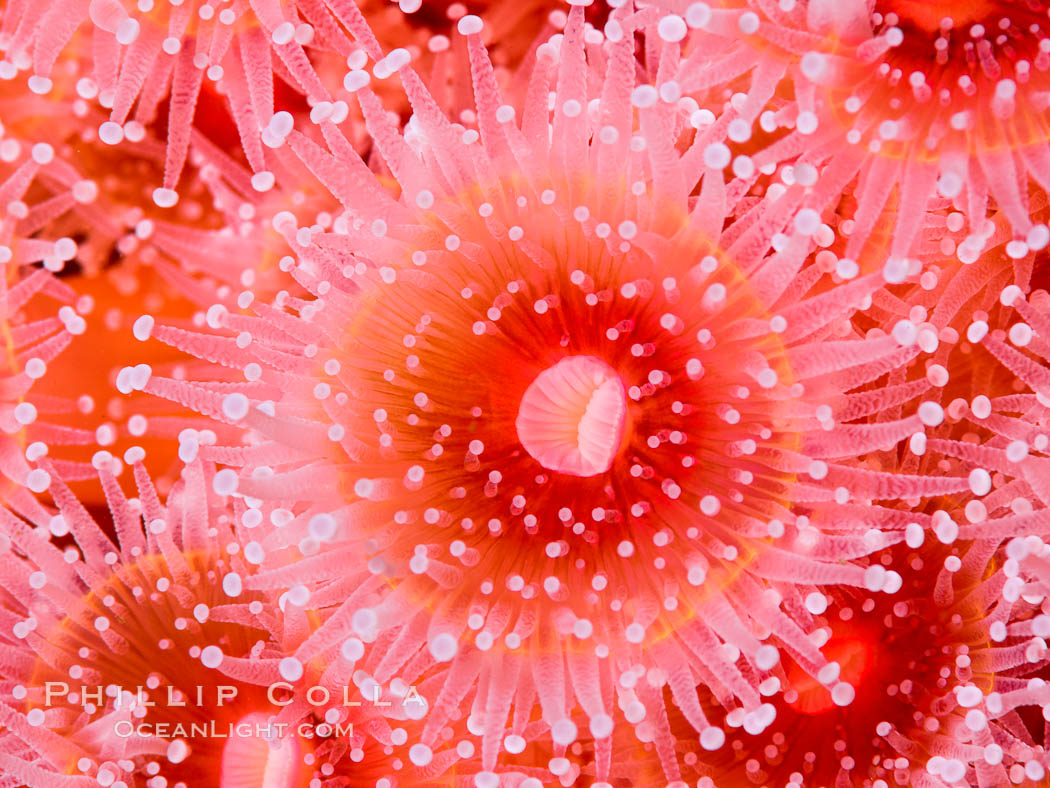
(481, 395)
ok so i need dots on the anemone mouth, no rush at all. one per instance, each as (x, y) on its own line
(572, 417)
(255, 762)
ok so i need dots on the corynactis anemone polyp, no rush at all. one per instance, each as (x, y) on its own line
(146, 618)
(947, 673)
(79, 209)
(983, 725)
(146, 52)
(996, 430)
(34, 332)
(536, 392)
(971, 696)
(942, 92)
(145, 660)
(913, 112)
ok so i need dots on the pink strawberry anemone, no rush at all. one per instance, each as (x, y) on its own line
(948, 97)
(79, 209)
(145, 660)
(139, 57)
(908, 105)
(82, 209)
(98, 194)
(589, 431)
(141, 623)
(949, 689)
(38, 315)
(977, 691)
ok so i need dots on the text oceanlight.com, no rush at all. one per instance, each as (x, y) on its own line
(271, 731)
